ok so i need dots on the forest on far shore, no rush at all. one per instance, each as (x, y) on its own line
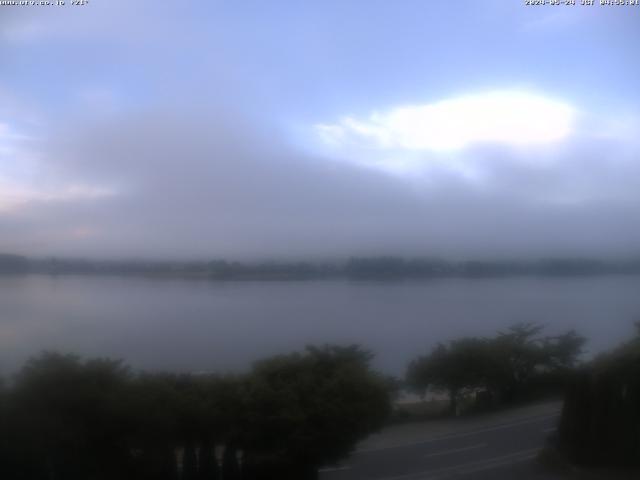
(377, 267)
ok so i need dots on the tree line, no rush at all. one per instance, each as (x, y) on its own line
(379, 267)
(512, 366)
(62, 417)
(599, 424)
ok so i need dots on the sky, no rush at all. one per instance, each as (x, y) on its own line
(281, 129)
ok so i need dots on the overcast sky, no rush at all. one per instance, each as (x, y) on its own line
(255, 129)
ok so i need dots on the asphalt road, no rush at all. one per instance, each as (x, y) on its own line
(496, 447)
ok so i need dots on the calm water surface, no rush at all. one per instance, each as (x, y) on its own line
(202, 325)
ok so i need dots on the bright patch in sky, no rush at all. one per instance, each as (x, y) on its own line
(22, 181)
(503, 117)
(14, 195)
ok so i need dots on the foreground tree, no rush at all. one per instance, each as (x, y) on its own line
(600, 422)
(562, 352)
(67, 419)
(522, 354)
(515, 356)
(70, 419)
(454, 368)
(309, 409)
(502, 367)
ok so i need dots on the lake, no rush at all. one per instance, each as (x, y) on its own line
(200, 325)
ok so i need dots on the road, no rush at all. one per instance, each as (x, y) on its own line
(496, 446)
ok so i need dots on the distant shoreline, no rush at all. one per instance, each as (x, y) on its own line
(356, 268)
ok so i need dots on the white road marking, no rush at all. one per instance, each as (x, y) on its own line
(495, 463)
(456, 450)
(460, 435)
(334, 469)
(465, 468)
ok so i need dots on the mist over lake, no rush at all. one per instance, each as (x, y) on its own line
(200, 325)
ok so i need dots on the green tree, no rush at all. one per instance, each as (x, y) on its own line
(503, 367)
(600, 421)
(308, 409)
(69, 418)
(454, 368)
(522, 354)
(515, 355)
(562, 352)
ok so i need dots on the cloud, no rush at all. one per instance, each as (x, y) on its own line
(499, 117)
(166, 140)
(14, 196)
(218, 185)
(456, 136)
(99, 99)
(528, 146)
(26, 180)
